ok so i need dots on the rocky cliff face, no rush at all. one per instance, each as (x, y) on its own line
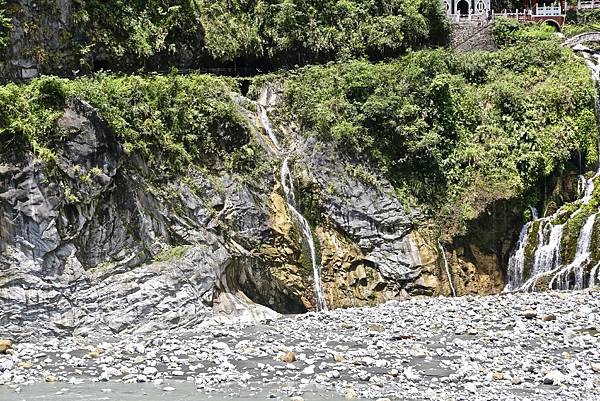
(99, 241)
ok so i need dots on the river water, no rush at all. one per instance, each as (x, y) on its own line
(147, 392)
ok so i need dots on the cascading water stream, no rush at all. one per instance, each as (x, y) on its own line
(516, 262)
(266, 123)
(534, 212)
(582, 255)
(581, 184)
(447, 267)
(547, 257)
(288, 189)
(302, 223)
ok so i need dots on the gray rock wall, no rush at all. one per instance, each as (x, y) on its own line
(99, 241)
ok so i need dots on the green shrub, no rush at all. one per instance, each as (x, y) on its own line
(461, 130)
(5, 25)
(170, 120)
(509, 31)
(127, 35)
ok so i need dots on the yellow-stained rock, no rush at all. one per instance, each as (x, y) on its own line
(5, 345)
(288, 357)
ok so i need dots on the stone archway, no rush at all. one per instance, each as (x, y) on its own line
(553, 24)
(462, 7)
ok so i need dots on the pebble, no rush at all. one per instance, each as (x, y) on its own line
(309, 370)
(5, 345)
(498, 376)
(554, 377)
(351, 394)
(376, 328)
(289, 357)
(150, 371)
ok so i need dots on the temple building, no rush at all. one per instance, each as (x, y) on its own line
(465, 7)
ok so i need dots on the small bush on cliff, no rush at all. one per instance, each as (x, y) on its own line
(463, 130)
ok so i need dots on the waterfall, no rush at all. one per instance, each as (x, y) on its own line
(547, 254)
(534, 213)
(547, 257)
(516, 263)
(288, 189)
(447, 267)
(266, 123)
(300, 220)
(561, 279)
(581, 184)
(589, 190)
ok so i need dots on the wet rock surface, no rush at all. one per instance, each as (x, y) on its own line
(371, 215)
(483, 348)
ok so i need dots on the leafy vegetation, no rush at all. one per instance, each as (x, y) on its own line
(131, 32)
(5, 25)
(507, 31)
(127, 35)
(320, 29)
(581, 21)
(460, 131)
(171, 121)
(452, 132)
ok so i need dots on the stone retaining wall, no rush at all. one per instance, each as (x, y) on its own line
(469, 36)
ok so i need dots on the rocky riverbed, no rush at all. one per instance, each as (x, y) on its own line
(506, 347)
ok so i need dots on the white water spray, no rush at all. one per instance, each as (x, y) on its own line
(547, 257)
(534, 213)
(288, 189)
(266, 123)
(516, 262)
(300, 220)
(447, 267)
(561, 279)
